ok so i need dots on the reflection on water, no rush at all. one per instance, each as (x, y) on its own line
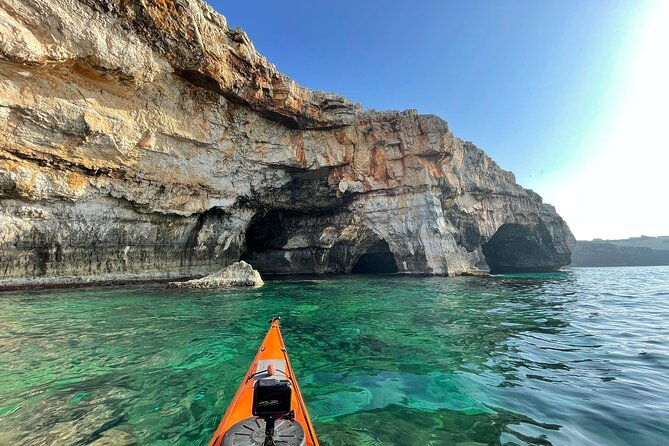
(564, 358)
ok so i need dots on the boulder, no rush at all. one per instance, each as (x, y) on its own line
(239, 274)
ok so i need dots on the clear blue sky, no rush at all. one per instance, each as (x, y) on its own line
(539, 85)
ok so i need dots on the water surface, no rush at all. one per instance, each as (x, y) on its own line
(574, 358)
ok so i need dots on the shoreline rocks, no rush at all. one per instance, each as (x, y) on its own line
(239, 274)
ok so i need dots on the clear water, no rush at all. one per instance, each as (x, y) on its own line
(574, 358)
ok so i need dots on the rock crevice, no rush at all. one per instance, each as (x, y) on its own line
(145, 139)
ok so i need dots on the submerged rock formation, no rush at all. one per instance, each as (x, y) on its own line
(146, 139)
(239, 274)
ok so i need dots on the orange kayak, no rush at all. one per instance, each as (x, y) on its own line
(268, 408)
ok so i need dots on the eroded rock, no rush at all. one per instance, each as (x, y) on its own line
(239, 274)
(143, 140)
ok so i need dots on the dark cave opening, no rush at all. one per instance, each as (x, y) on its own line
(518, 248)
(377, 260)
(264, 239)
(287, 242)
(266, 233)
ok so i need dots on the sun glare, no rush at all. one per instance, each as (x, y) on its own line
(627, 173)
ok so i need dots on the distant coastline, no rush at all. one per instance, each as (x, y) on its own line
(635, 251)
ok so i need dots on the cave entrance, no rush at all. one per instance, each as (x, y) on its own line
(265, 233)
(265, 238)
(517, 248)
(378, 259)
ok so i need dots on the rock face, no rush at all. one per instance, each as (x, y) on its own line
(236, 275)
(145, 139)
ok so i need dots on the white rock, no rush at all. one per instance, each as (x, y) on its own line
(239, 274)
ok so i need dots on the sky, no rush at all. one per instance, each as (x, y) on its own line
(570, 95)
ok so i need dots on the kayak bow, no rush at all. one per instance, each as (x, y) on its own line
(268, 408)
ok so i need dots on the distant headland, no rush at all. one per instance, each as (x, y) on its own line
(634, 251)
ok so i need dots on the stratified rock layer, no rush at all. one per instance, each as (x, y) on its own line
(145, 139)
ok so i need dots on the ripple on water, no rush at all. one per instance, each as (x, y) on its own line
(578, 357)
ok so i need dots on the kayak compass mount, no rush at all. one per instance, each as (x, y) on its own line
(273, 422)
(268, 409)
(271, 401)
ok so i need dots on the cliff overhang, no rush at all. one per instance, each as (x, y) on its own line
(144, 139)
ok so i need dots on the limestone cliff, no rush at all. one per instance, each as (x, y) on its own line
(146, 139)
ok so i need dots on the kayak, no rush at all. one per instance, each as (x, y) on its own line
(268, 409)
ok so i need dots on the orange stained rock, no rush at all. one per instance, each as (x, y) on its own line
(377, 164)
(298, 149)
(76, 181)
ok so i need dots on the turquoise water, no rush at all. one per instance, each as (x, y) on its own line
(574, 358)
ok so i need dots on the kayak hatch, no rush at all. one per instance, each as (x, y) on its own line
(268, 404)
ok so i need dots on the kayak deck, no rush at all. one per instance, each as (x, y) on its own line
(240, 428)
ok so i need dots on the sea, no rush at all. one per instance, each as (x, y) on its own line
(579, 357)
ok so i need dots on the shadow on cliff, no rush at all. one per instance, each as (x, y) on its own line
(517, 248)
(290, 242)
